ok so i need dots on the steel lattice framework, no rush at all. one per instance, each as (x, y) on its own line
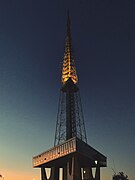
(70, 120)
(78, 126)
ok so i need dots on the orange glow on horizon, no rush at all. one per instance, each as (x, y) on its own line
(21, 175)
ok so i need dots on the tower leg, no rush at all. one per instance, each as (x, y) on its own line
(54, 173)
(65, 173)
(97, 173)
(43, 174)
(87, 174)
(73, 169)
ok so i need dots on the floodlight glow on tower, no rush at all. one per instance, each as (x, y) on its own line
(68, 69)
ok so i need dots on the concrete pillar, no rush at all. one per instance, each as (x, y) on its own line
(43, 174)
(73, 169)
(87, 174)
(64, 173)
(54, 173)
(97, 173)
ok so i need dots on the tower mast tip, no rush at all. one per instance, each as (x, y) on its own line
(68, 69)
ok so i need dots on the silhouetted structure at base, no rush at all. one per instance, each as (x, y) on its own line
(75, 157)
(70, 153)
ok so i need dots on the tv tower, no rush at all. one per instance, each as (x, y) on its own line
(71, 158)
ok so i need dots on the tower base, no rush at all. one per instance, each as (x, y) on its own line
(72, 171)
(74, 157)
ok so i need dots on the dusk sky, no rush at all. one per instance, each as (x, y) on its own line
(32, 37)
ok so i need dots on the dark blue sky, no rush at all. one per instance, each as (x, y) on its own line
(32, 36)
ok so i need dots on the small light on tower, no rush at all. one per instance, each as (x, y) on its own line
(96, 162)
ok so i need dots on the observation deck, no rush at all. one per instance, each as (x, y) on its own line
(58, 155)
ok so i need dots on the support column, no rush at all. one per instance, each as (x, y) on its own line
(54, 173)
(97, 173)
(73, 169)
(87, 174)
(43, 174)
(64, 173)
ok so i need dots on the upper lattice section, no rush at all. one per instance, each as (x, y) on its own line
(68, 69)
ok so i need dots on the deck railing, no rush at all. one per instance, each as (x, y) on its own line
(59, 151)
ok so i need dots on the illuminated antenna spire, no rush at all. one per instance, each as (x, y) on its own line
(68, 70)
